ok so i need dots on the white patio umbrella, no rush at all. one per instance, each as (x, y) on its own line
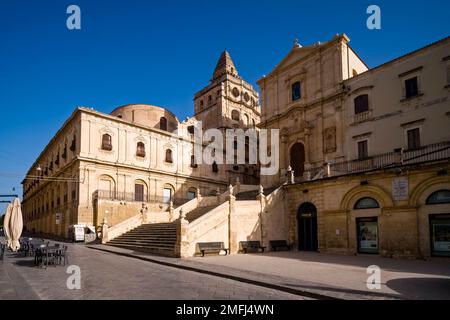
(15, 225)
(6, 229)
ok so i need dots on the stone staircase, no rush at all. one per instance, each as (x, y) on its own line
(158, 238)
(251, 195)
(197, 213)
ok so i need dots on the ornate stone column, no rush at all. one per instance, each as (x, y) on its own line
(232, 234)
(262, 201)
(104, 231)
(182, 244)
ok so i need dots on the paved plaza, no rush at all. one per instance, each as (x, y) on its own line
(322, 275)
(113, 273)
(109, 276)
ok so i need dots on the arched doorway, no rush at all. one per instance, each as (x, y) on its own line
(297, 155)
(307, 227)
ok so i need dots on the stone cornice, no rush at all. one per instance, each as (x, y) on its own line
(310, 105)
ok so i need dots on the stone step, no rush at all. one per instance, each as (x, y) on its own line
(157, 238)
(154, 250)
(149, 236)
(145, 243)
(198, 212)
(251, 195)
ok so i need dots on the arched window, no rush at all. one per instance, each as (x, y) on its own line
(253, 123)
(361, 103)
(169, 158)
(140, 149)
(192, 193)
(168, 193)
(106, 142)
(215, 167)
(201, 103)
(106, 188)
(439, 197)
(246, 119)
(209, 99)
(235, 115)
(296, 92)
(297, 155)
(163, 123)
(366, 203)
(193, 163)
(140, 191)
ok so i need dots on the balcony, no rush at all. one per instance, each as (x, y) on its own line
(137, 197)
(429, 153)
(361, 117)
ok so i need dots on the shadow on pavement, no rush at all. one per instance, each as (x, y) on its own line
(428, 288)
(438, 267)
(362, 294)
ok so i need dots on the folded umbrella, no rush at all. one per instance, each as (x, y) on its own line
(15, 225)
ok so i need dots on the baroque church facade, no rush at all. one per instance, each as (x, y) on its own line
(363, 162)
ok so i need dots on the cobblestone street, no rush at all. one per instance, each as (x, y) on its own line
(109, 276)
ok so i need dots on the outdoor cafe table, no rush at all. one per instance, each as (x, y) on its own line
(48, 251)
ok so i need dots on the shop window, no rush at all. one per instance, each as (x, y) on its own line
(440, 234)
(367, 230)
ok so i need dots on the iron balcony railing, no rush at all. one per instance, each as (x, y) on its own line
(138, 197)
(400, 157)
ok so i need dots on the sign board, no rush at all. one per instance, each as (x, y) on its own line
(58, 218)
(400, 188)
(78, 232)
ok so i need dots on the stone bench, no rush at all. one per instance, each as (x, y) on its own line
(211, 247)
(275, 244)
(246, 246)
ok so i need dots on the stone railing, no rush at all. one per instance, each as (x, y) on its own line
(213, 226)
(110, 233)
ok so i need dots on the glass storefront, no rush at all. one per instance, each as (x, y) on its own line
(440, 234)
(367, 230)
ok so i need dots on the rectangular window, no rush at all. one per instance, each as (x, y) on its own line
(139, 192)
(191, 195)
(167, 195)
(296, 91)
(413, 138)
(361, 103)
(363, 152)
(448, 74)
(411, 88)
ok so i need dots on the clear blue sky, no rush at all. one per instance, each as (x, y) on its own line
(162, 52)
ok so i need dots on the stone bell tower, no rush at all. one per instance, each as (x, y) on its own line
(229, 102)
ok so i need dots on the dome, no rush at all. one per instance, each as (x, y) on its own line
(147, 115)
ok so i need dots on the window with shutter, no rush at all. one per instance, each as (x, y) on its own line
(413, 138)
(361, 103)
(362, 150)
